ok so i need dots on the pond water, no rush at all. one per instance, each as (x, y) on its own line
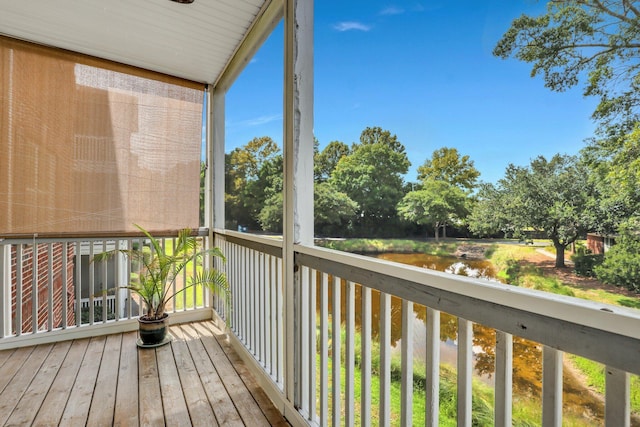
(527, 356)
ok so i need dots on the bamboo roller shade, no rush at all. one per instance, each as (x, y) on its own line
(90, 146)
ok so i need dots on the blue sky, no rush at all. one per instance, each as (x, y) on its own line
(424, 71)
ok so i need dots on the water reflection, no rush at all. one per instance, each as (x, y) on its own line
(527, 355)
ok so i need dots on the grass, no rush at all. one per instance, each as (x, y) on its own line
(527, 410)
(188, 294)
(595, 378)
(508, 261)
(377, 246)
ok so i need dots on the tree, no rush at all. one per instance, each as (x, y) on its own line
(377, 135)
(616, 176)
(485, 219)
(325, 161)
(244, 180)
(574, 39)
(334, 210)
(447, 165)
(621, 265)
(550, 196)
(270, 216)
(442, 197)
(372, 177)
(438, 203)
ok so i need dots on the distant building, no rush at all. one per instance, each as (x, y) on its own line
(600, 243)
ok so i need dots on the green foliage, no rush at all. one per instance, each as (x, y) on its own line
(575, 39)
(160, 267)
(376, 246)
(85, 314)
(377, 135)
(585, 263)
(334, 210)
(447, 165)
(438, 203)
(270, 216)
(552, 196)
(615, 166)
(325, 162)
(253, 173)
(372, 177)
(621, 265)
(594, 374)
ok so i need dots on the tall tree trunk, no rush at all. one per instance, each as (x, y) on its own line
(559, 254)
(444, 230)
(437, 233)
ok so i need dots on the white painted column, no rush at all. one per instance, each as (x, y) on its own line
(214, 176)
(5, 290)
(122, 279)
(298, 161)
(214, 217)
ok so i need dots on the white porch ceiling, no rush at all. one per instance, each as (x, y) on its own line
(193, 41)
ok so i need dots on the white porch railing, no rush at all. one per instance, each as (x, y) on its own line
(98, 303)
(374, 313)
(49, 288)
(380, 317)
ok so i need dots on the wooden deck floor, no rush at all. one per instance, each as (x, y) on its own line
(197, 380)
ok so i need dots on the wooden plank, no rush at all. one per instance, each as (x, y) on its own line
(248, 409)
(195, 396)
(175, 407)
(5, 355)
(104, 397)
(223, 407)
(26, 410)
(274, 417)
(12, 365)
(77, 410)
(20, 382)
(126, 410)
(150, 398)
(54, 403)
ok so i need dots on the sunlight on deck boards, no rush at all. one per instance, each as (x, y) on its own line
(195, 380)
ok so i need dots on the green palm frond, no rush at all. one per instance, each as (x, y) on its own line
(160, 266)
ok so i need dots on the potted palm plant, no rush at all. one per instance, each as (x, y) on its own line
(160, 265)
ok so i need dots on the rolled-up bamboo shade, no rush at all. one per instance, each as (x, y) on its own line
(91, 146)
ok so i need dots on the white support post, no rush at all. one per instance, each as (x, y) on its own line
(617, 410)
(433, 368)
(214, 182)
(551, 387)
(298, 159)
(215, 170)
(503, 379)
(5, 290)
(406, 393)
(465, 371)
